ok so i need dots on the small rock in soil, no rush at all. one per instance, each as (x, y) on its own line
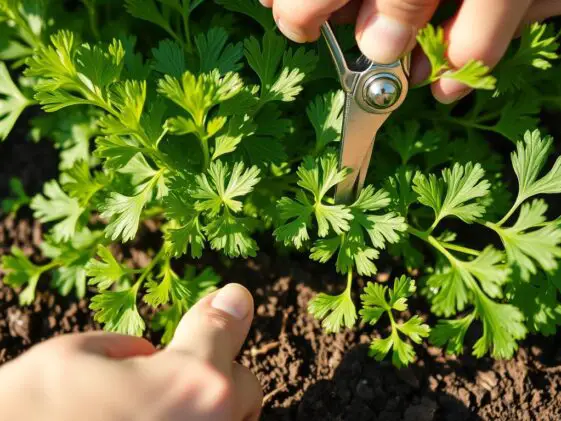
(18, 324)
(487, 379)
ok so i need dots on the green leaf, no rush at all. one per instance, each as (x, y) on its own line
(326, 115)
(80, 184)
(215, 194)
(125, 211)
(170, 287)
(408, 141)
(450, 291)
(474, 74)
(100, 65)
(535, 53)
(118, 312)
(17, 198)
(503, 325)
(231, 235)
(251, 8)
(334, 312)
(538, 301)
(463, 185)
(104, 271)
(451, 333)
(528, 162)
(18, 271)
(54, 205)
(278, 82)
(375, 303)
(434, 46)
(169, 58)
(116, 151)
(216, 53)
(199, 94)
(299, 213)
(185, 229)
(530, 243)
(148, 10)
(12, 102)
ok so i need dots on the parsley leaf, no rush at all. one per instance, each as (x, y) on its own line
(105, 271)
(375, 304)
(334, 311)
(461, 186)
(118, 312)
(54, 205)
(12, 102)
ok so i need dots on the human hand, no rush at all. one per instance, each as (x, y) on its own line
(386, 29)
(108, 377)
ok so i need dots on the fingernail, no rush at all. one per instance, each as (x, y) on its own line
(291, 33)
(385, 39)
(234, 300)
(451, 90)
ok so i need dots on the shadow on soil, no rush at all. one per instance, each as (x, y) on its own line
(363, 389)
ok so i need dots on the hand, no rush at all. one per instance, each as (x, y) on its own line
(109, 377)
(386, 29)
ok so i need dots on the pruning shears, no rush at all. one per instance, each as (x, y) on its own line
(372, 92)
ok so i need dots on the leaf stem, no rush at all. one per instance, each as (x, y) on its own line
(146, 271)
(461, 249)
(517, 203)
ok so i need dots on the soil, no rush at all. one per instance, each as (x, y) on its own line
(305, 373)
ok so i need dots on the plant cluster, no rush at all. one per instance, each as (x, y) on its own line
(200, 124)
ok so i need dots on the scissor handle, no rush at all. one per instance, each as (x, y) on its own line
(377, 88)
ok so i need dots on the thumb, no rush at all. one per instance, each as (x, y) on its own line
(387, 29)
(216, 327)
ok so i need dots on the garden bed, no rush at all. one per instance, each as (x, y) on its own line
(306, 374)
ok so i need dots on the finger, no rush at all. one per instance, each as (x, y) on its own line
(347, 14)
(386, 29)
(301, 20)
(110, 345)
(249, 394)
(267, 3)
(216, 327)
(543, 9)
(420, 66)
(481, 36)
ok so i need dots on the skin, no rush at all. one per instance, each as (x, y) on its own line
(386, 29)
(109, 377)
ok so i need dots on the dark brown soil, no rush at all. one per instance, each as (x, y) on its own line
(308, 375)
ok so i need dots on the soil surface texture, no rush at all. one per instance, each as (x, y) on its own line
(309, 375)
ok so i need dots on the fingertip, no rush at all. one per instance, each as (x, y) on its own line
(448, 91)
(267, 3)
(235, 300)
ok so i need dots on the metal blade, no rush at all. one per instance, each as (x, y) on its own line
(359, 132)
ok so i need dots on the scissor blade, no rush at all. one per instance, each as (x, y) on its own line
(359, 132)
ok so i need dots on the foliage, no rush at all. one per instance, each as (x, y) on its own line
(199, 123)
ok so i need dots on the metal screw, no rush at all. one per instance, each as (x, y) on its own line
(382, 92)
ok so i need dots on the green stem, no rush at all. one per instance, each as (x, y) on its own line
(349, 281)
(146, 271)
(517, 203)
(461, 249)
(206, 153)
(186, 15)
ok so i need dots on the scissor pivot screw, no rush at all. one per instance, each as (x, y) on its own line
(382, 91)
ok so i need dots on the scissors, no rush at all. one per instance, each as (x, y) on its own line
(372, 92)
